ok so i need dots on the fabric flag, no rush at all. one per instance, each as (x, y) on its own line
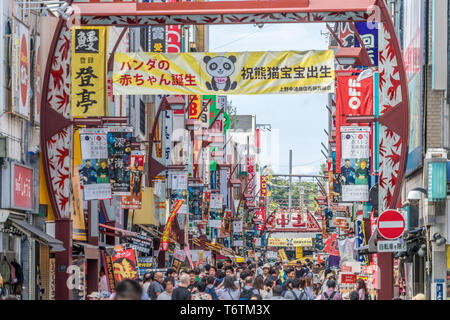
(164, 245)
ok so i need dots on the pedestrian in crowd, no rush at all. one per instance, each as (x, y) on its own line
(103, 284)
(258, 284)
(182, 292)
(354, 295)
(228, 290)
(169, 286)
(201, 293)
(259, 270)
(220, 266)
(219, 278)
(362, 290)
(128, 290)
(266, 271)
(256, 297)
(298, 269)
(144, 294)
(274, 277)
(287, 286)
(253, 268)
(247, 291)
(155, 289)
(148, 278)
(331, 293)
(172, 273)
(276, 293)
(267, 293)
(309, 287)
(192, 287)
(210, 289)
(290, 273)
(229, 271)
(213, 273)
(207, 267)
(92, 296)
(297, 293)
(330, 275)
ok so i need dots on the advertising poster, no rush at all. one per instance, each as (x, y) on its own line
(238, 235)
(134, 201)
(95, 180)
(144, 265)
(285, 72)
(141, 243)
(79, 231)
(355, 169)
(119, 151)
(206, 205)
(195, 202)
(88, 71)
(124, 265)
(21, 69)
(94, 143)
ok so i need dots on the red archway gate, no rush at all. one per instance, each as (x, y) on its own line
(56, 124)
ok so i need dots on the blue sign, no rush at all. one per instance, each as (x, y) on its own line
(439, 291)
(370, 39)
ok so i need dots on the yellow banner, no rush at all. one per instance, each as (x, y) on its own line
(299, 252)
(282, 255)
(88, 71)
(203, 73)
(290, 242)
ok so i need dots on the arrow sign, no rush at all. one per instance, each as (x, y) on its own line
(391, 224)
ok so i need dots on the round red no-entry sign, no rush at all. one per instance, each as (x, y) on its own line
(391, 224)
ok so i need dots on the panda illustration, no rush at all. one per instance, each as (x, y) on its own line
(220, 69)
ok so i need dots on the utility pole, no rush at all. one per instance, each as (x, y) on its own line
(290, 179)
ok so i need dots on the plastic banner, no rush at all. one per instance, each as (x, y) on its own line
(164, 245)
(273, 72)
(124, 265)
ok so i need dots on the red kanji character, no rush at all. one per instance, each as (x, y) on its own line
(151, 64)
(190, 80)
(166, 82)
(139, 79)
(139, 66)
(152, 80)
(126, 63)
(125, 80)
(177, 80)
(299, 220)
(163, 65)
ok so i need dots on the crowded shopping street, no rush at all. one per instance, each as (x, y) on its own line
(224, 150)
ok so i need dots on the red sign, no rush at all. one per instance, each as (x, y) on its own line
(353, 98)
(23, 187)
(391, 224)
(348, 278)
(124, 265)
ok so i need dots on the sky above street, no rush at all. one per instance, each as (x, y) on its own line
(297, 120)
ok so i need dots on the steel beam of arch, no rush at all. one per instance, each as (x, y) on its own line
(55, 115)
(223, 12)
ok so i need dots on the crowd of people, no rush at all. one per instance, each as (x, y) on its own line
(244, 281)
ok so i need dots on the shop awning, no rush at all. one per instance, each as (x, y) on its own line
(40, 235)
(90, 251)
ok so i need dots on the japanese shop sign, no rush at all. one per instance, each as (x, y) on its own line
(119, 150)
(370, 39)
(391, 246)
(157, 36)
(93, 143)
(134, 201)
(23, 187)
(164, 245)
(88, 71)
(290, 242)
(355, 142)
(195, 107)
(21, 69)
(224, 73)
(124, 265)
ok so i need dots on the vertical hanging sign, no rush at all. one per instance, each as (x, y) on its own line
(37, 80)
(88, 71)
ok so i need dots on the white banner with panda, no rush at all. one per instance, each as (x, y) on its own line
(202, 73)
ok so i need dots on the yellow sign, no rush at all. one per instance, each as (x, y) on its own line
(299, 252)
(290, 242)
(88, 71)
(282, 255)
(203, 73)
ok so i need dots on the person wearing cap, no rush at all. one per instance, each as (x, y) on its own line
(266, 271)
